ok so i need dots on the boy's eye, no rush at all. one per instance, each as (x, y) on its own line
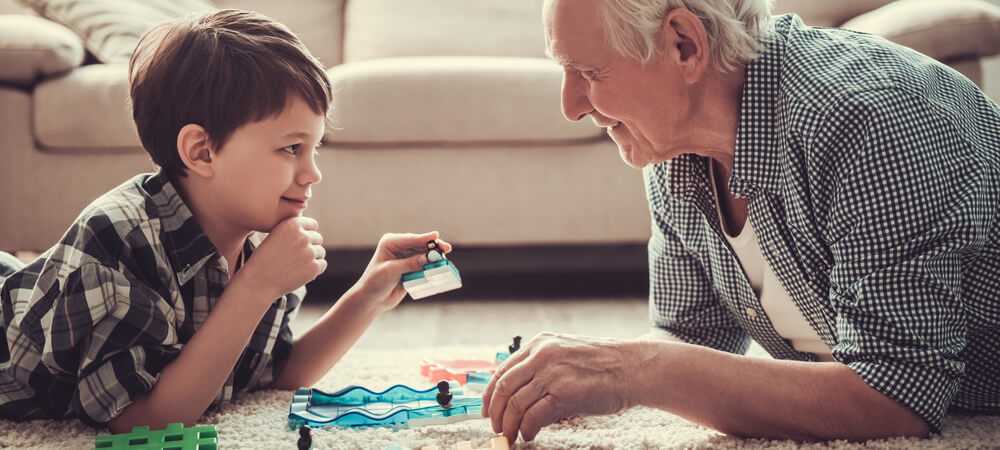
(291, 149)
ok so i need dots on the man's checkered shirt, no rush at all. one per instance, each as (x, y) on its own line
(90, 325)
(873, 179)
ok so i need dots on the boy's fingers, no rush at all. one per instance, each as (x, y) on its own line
(409, 241)
(307, 223)
(411, 264)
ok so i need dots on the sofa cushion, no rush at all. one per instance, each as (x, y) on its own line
(85, 110)
(32, 48)
(389, 28)
(319, 23)
(111, 28)
(941, 30)
(450, 99)
(826, 14)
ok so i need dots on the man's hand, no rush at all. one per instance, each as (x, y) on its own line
(291, 256)
(558, 376)
(396, 254)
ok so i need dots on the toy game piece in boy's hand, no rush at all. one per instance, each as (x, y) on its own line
(439, 275)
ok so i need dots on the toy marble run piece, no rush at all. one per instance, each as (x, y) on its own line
(454, 369)
(175, 436)
(397, 407)
(477, 381)
(438, 275)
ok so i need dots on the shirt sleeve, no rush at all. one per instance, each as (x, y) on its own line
(108, 332)
(682, 302)
(910, 209)
(282, 347)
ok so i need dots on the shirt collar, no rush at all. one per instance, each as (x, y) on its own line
(756, 161)
(187, 246)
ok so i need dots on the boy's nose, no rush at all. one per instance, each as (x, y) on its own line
(310, 174)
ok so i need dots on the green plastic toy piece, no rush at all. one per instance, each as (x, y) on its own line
(175, 437)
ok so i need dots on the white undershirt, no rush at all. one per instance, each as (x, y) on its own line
(786, 318)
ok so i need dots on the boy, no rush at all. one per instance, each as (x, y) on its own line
(155, 304)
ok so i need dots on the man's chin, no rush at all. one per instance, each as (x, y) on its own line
(629, 157)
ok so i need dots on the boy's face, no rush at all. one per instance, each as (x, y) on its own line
(264, 173)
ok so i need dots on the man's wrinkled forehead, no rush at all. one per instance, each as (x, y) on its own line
(569, 26)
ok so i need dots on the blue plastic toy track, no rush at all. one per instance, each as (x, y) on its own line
(399, 406)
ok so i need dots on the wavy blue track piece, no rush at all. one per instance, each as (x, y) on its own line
(399, 406)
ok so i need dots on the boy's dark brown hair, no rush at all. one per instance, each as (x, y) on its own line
(220, 70)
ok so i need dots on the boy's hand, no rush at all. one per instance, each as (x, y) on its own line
(396, 254)
(291, 256)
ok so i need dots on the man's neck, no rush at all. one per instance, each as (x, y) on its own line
(713, 127)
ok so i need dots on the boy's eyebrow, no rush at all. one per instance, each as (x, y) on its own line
(297, 134)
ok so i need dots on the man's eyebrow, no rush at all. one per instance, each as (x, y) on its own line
(563, 61)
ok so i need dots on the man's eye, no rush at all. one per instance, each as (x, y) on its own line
(291, 149)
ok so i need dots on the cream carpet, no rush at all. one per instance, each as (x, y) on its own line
(259, 421)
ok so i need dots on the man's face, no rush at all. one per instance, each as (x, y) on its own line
(638, 104)
(265, 171)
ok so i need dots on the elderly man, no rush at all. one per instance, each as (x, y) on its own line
(829, 194)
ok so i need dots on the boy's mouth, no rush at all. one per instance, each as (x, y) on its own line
(297, 201)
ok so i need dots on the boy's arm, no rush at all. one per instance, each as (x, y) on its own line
(379, 289)
(185, 388)
(188, 385)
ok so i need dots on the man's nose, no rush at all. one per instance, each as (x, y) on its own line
(575, 104)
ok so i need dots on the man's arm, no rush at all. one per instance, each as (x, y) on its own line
(554, 377)
(756, 397)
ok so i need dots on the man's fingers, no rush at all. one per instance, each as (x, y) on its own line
(517, 405)
(541, 413)
(506, 386)
(509, 363)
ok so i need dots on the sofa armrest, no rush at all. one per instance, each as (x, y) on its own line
(32, 48)
(943, 30)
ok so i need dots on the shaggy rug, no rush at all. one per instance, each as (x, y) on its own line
(259, 420)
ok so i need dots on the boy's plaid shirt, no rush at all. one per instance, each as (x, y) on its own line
(873, 176)
(89, 326)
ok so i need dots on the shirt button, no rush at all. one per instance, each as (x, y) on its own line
(751, 313)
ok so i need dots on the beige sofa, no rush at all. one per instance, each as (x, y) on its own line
(447, 117)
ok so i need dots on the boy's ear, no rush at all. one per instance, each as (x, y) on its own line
(195, 150)
(686, 43)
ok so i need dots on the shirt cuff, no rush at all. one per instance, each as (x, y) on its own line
(104, 392)
(927, 392)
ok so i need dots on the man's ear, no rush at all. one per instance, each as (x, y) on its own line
(685, 43)
(195, 150)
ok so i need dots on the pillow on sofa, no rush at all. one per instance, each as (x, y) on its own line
(32, 48)
(939, 29)
(110, 29)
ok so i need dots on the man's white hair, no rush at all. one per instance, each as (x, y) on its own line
(734, 27)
